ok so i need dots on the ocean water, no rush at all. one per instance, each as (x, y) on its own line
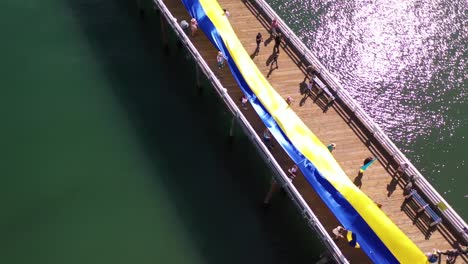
(109, 156)
(405, 63)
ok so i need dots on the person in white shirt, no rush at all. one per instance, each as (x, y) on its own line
(193, 26)
(310, 85)
(293, 172)
(244, 101)
(220, 59)
(267, 138)
(339, 232)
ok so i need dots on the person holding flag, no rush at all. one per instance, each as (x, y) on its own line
(367, 162)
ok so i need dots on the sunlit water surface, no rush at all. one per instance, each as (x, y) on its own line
(405, 63)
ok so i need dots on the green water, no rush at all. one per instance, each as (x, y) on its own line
(109, 156)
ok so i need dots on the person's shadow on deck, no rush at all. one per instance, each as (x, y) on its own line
(255, 53)
(271, 71)
(391, 187)
(358, 180)
(266, 42)
(304, 92)
(270, 59)
(270, 62)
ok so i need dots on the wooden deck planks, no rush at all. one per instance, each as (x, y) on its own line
(335, 125)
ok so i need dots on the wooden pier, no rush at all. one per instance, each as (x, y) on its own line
(338, 124)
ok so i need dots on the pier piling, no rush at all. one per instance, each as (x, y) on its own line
(164, 32)
(141, 10)
(198, 85)
(273, 189)
(231, 130)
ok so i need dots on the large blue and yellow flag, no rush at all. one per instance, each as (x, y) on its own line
(352, 239)
(373, 231)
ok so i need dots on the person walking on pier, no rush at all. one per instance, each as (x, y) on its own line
(402, 168)
(267, 138)
(220, 59)
(432, 257)
(310, 73)
(367, 162)
(184, 25)
(339, 232)
(293, 172)
(274, 28)
(258, 39)
(277, 42)
(331, 147)
(193, 26)
(452, 254)
(244, 101)
(309, 88)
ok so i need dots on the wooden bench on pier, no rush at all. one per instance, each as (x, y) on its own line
(424, 207)
(323, 89)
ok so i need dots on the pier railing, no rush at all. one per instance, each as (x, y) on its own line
(450, 215)
(279, 174)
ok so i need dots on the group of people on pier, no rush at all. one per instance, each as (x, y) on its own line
(452, 254)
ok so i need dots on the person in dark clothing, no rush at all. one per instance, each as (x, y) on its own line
(258, 39)
(452, 254)
(310, 72)
(367, 160)
(277, 42)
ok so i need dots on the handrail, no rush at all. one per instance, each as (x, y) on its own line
(281, 176)
(435, 198)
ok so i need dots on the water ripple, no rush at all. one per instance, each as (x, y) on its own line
(404, 61)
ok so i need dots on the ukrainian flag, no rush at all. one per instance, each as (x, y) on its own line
(352, 239)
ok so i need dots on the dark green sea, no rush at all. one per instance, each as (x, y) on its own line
(109, 154)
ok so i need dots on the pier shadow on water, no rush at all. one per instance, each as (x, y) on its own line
(216, 187)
